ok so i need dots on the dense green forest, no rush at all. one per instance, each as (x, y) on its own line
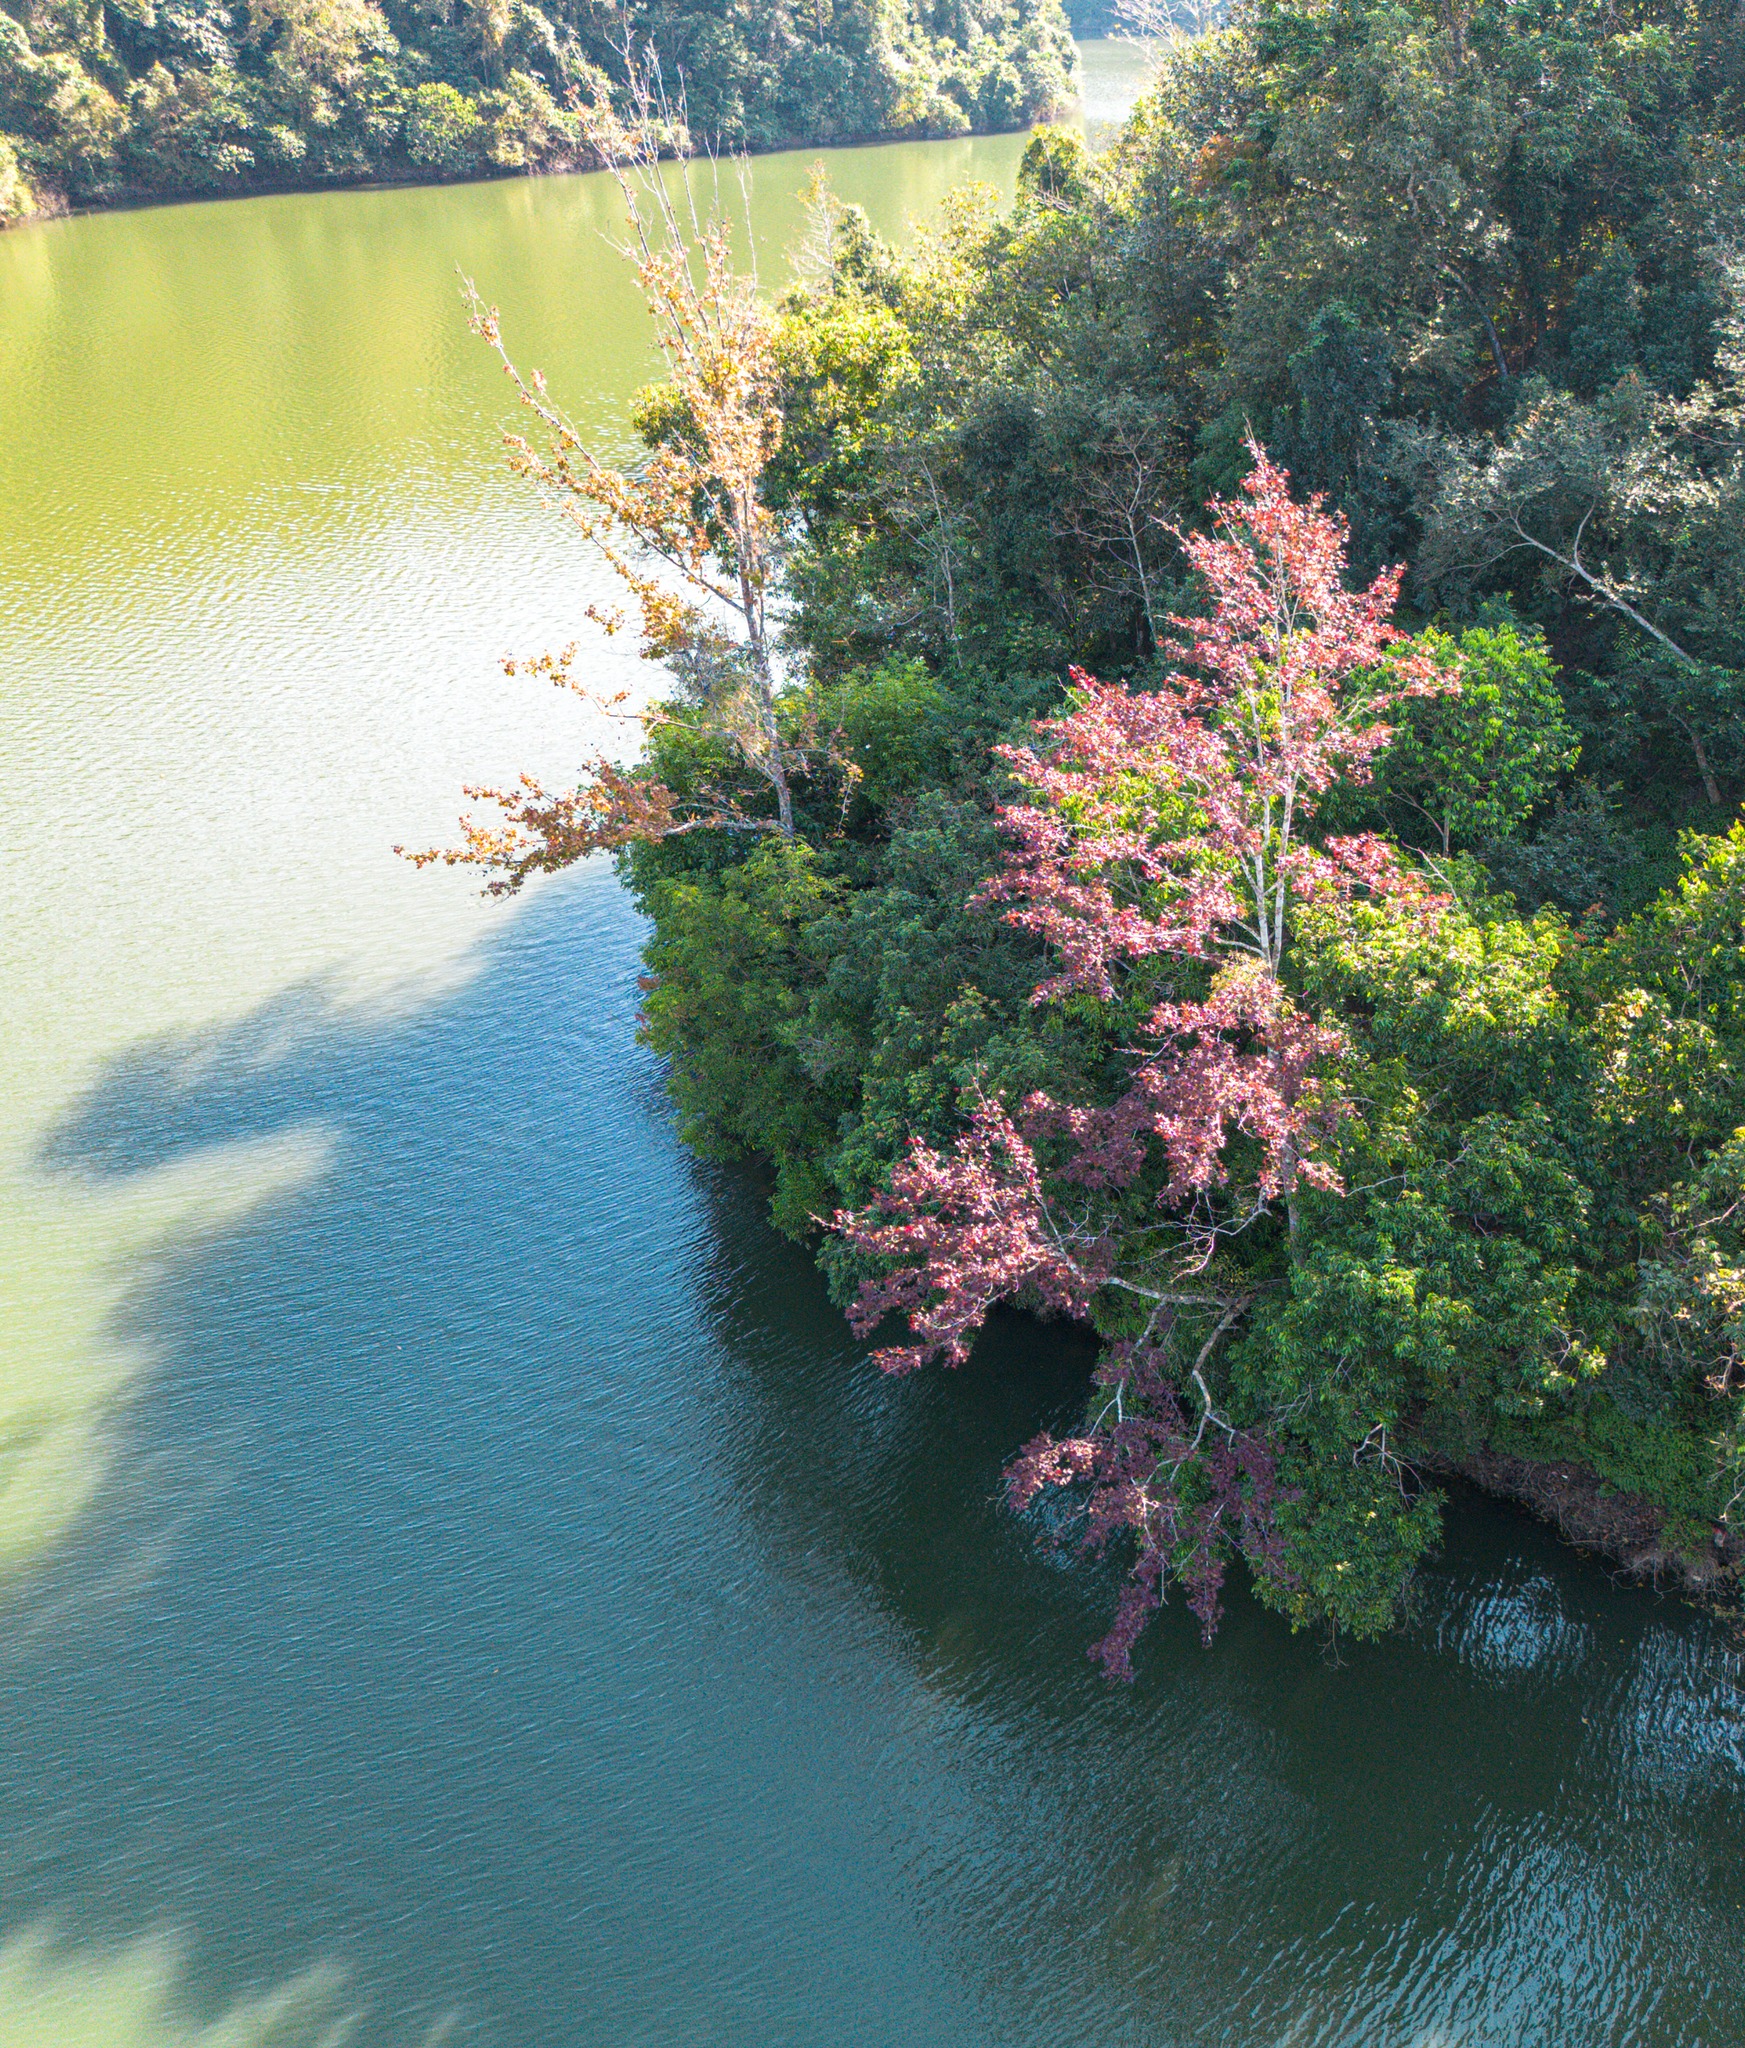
(1160, 941)
(113, 99)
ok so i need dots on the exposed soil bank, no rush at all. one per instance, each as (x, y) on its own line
(1624, 1527)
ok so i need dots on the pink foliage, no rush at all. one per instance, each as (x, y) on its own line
(965, 1229)
(1282, 619)
(1167, 825)
(1186, 1493)
(1242, 1060)
(1109, 862)
(1169, 821)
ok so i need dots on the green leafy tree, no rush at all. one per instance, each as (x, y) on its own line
(1633, 506)
(16, 198)
(1474, 763)
(102, 103)
(443, 128)
(1461, 263)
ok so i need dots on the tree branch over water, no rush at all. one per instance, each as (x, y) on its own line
(687, 531)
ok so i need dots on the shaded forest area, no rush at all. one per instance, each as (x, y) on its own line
(102, 100)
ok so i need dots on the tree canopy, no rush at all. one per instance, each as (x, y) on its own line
(1275, 891)
(106, 99)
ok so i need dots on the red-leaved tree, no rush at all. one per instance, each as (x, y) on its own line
(1161, 852)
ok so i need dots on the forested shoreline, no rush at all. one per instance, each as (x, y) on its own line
(1133, 900)
(104, 101)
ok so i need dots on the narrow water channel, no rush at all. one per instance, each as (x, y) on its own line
(462, 1583)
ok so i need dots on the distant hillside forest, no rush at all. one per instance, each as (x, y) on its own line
(105, 100)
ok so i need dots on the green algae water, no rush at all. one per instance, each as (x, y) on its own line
(461, 1582)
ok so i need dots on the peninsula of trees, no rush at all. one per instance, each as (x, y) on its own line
(1202, 793)
(104, 100)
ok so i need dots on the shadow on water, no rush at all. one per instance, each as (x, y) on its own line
(550, 1622)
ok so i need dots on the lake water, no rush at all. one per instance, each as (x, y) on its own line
(462, 1582)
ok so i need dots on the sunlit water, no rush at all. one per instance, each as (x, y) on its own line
(1112, 72)
(464, 1584)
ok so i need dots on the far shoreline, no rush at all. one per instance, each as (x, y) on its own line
(1071, 113)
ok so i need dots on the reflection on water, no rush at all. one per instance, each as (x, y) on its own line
(509, 1611)
(562, 1631)
(132, 1997)
(1111, 73)
(259, 560)
(70, 1256)
(1514, 1627)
